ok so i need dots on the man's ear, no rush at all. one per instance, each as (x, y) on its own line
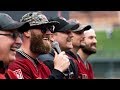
(27, 34)
(51, 37)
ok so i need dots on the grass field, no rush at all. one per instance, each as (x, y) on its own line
(107, 48)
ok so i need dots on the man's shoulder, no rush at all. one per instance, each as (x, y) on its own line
(45, 57)
(49, 64)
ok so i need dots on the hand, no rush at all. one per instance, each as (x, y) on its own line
(61, 61)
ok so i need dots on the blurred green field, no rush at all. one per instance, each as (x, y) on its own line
(107, 48)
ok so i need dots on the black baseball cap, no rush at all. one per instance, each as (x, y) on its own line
(63, 25)
(7, 24)
(81, 28)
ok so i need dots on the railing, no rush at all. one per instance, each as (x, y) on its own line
(103, 54)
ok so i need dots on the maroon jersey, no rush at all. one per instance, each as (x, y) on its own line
(84, 71)
(6, 73)
(2, 70)
(25, 67)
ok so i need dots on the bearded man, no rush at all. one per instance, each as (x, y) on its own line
(35, 42)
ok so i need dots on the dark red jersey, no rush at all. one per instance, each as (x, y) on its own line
(2, 76)
(28, 69)
(84, 71)
(5, 73)
(2, 70)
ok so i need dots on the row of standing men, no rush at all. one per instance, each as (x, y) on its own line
(38, 48)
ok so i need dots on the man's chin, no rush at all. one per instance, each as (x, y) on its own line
(93, 49)
(68, 47)
(12, 58)
(9, 60)
(69, 44)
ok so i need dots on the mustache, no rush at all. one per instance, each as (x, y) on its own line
(94, 44)
(17, 46)
(69, 39)
(46, 36)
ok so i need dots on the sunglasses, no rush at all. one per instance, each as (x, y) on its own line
(44, 28)
(13, 35)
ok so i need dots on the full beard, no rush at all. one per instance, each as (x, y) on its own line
(38, 46)
(86, 49)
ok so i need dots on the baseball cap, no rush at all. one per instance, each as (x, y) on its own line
(81, 27)
(36, 19)
(63, 25)
(7, 23)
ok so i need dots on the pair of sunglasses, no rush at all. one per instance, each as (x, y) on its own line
(44, 28)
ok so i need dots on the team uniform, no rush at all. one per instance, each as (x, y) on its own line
(2, 71)
(84, 70)
(26, 67)
(70, 73)
(6, 73)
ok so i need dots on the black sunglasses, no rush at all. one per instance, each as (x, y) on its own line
(44, 28)
(13, 35)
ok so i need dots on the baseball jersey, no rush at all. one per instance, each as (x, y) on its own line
(6, 73)
(25, 67)
(2, 71)
(84, 71)
(70, 73)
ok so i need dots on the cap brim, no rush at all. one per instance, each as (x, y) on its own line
(83, 28)
(50, 23)
(24, 27)
(87, 27)
(69, 27)
(20, 26)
